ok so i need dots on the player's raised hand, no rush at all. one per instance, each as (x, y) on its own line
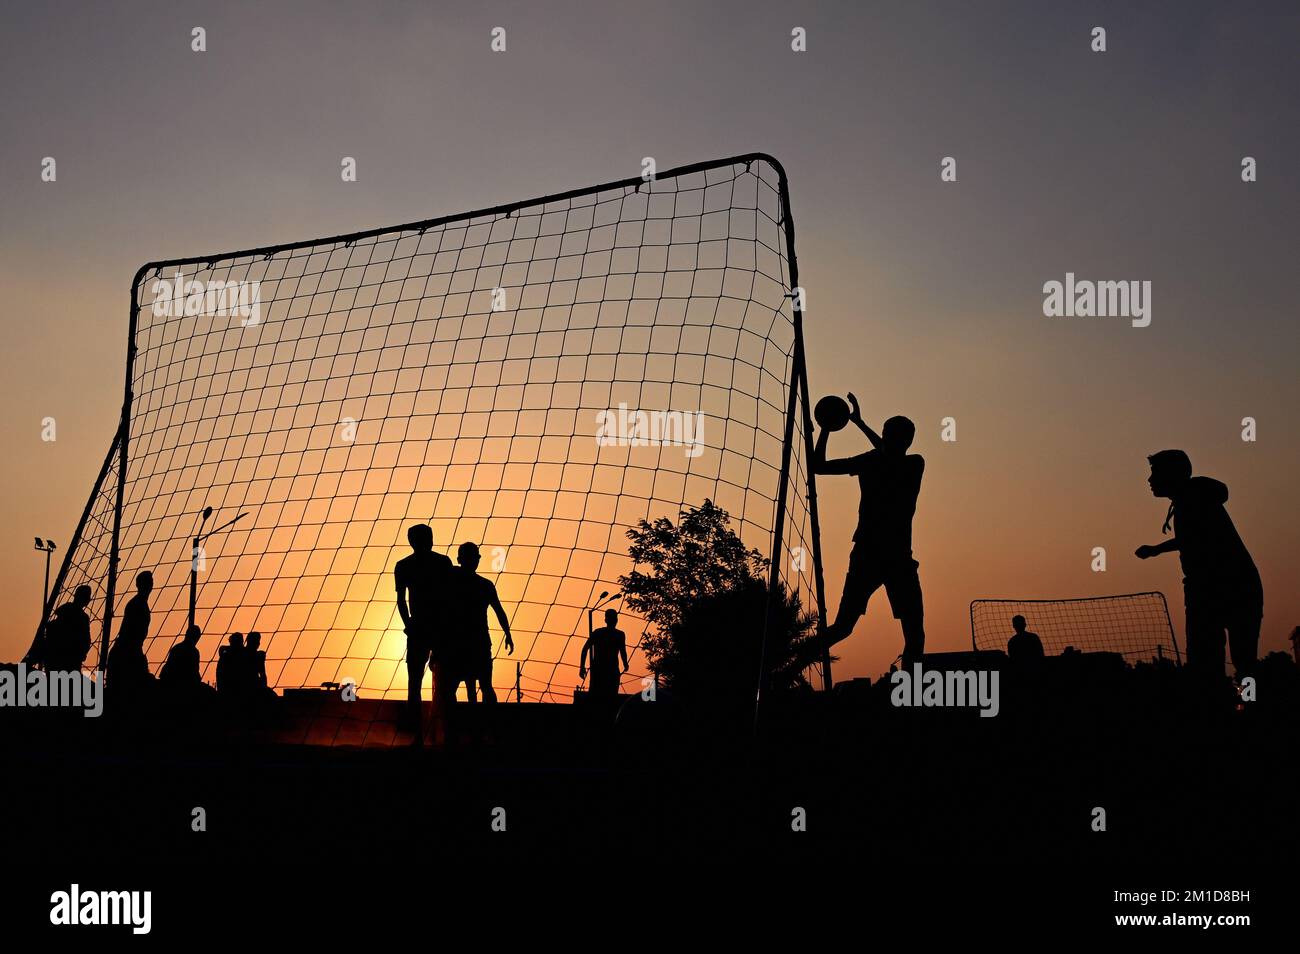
(855, 412)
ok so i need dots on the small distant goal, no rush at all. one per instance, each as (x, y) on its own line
(1135, 625)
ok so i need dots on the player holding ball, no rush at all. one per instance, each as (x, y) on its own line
(890, 480)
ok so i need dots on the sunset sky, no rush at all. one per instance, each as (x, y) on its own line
(925, 298)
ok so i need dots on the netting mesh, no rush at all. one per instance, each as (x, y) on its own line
(483, 373)
(1135, 625)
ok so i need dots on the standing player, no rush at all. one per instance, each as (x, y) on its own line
(67, 636)
(421, 580)
(1221, 586)
(128, 667)
(605, 646)
(1023, 646)
(890, 481)
(473, 595)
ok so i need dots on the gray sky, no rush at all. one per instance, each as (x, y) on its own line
(924, 297)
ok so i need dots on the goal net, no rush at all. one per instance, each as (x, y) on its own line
(534, 378)
(1135, 625)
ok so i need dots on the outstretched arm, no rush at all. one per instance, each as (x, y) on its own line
(1146, 552)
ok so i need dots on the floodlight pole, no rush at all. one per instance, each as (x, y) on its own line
(194, 561)
(194, 553)
(47, 549)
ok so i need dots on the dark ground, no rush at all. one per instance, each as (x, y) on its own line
(909, 812)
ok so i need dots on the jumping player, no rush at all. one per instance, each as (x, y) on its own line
(890, 481)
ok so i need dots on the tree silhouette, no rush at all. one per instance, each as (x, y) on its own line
(708, 598)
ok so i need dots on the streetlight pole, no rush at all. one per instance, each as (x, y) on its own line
(47, 547)
(194, 561)
(199, 537)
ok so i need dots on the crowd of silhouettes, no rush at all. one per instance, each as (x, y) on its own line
(444, 606)
(241, 668)
(65, 642)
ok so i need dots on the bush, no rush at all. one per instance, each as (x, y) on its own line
(708, 599)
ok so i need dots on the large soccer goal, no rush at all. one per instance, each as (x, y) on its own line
(534, 377)
(1135, 625)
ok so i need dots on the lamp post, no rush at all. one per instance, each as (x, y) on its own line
(199, 537)
(194, 561)
(47, 547)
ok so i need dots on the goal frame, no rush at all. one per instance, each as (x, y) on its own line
(1164, 603)
(798, 401)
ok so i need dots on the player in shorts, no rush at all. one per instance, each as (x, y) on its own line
(890, 481)
(422, 583)
(472, 596)
(605, 647)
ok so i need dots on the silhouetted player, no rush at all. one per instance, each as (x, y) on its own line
(180, 671)
(128, 667)
(255, 674)
(421, 580)
(1221, 586)
(890, 480)
(605, 646)
(1023, 646)
(67, 637)
(230, 665)
(472, 596)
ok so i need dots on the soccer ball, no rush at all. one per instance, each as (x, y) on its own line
(831, 412)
